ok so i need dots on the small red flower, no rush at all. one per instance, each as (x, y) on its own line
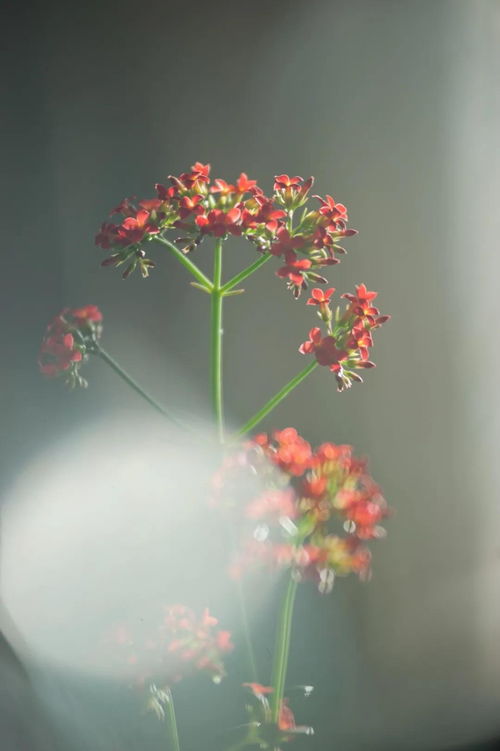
(361, 302)
(285, 242)
(57, 354)
(320, 296)
(260, 210)
(87, 314)
(323, 347)
(222, 187)
(244, 185)
(273, 504)
(134, 229)
(107, 236)
(292, 191)
(282, 182)
(334, 212)
(195, 641)
(68, 339)
(295, 270)
(219, 223)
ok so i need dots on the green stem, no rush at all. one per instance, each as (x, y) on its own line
(277, 398)
(187, 262)
(246, 632)
(245, 273)
(282, 649)
(216, 361)
(172, 722)
(133, 384)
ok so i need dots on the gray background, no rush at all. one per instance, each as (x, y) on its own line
(393, 106)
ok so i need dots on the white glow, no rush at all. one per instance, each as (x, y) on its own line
(109, 528)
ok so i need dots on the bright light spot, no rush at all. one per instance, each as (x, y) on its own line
(107, 529)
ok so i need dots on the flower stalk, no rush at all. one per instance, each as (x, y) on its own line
(298, 489)
(245, 273)
(173, 734)
(277, 398)
(100, 352)
(216, 355)
(187, 263)
(282, 648)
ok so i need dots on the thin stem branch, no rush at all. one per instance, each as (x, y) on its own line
(216, 361)
(100, 352)
(252, 664)
(282, 649)
(187, 262)
(277, 398)
(171, 722)
(245, 273)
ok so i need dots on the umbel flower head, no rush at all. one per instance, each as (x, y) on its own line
(315, 512)
(194, 207)
(68, 340)
(344, 346)
(180, 644)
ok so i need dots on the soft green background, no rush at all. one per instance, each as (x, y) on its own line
(393, 106)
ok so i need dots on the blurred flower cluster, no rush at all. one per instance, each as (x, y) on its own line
(344, 347)
(68, 340)
(311, 511)
(286, 505)
(178, 645)
(194, 207)
(262, 732)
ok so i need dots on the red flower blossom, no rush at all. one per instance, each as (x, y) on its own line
(285, 728)
(244, 185)
(125, 207)
(221, 186)
(196, 642)
(285, 243)
(361, 302)
(295, 270)
(68, 339)
(261, 210)
(175, 646)
(87, 314)
(272, 504)
(345, 348)
(134, 229)
(320, 297)
(258, 689)
(292, 191)
(107, 235)
(289, 451)
(294, 519)
(323, 347)
(283, 182)
(199, 208)
(336, 213)
(219, 223)
(57, 354)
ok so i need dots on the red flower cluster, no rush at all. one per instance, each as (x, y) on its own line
(178, 646)
(69, 338)
(195, 207)
(196, 641)
(315, 509)
(344, 348)
(262, 732)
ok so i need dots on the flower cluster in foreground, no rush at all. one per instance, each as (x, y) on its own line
(69, 337)
(195, 207)
(344, 348)
(314, 510)
(180, 644)
(262, 732)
